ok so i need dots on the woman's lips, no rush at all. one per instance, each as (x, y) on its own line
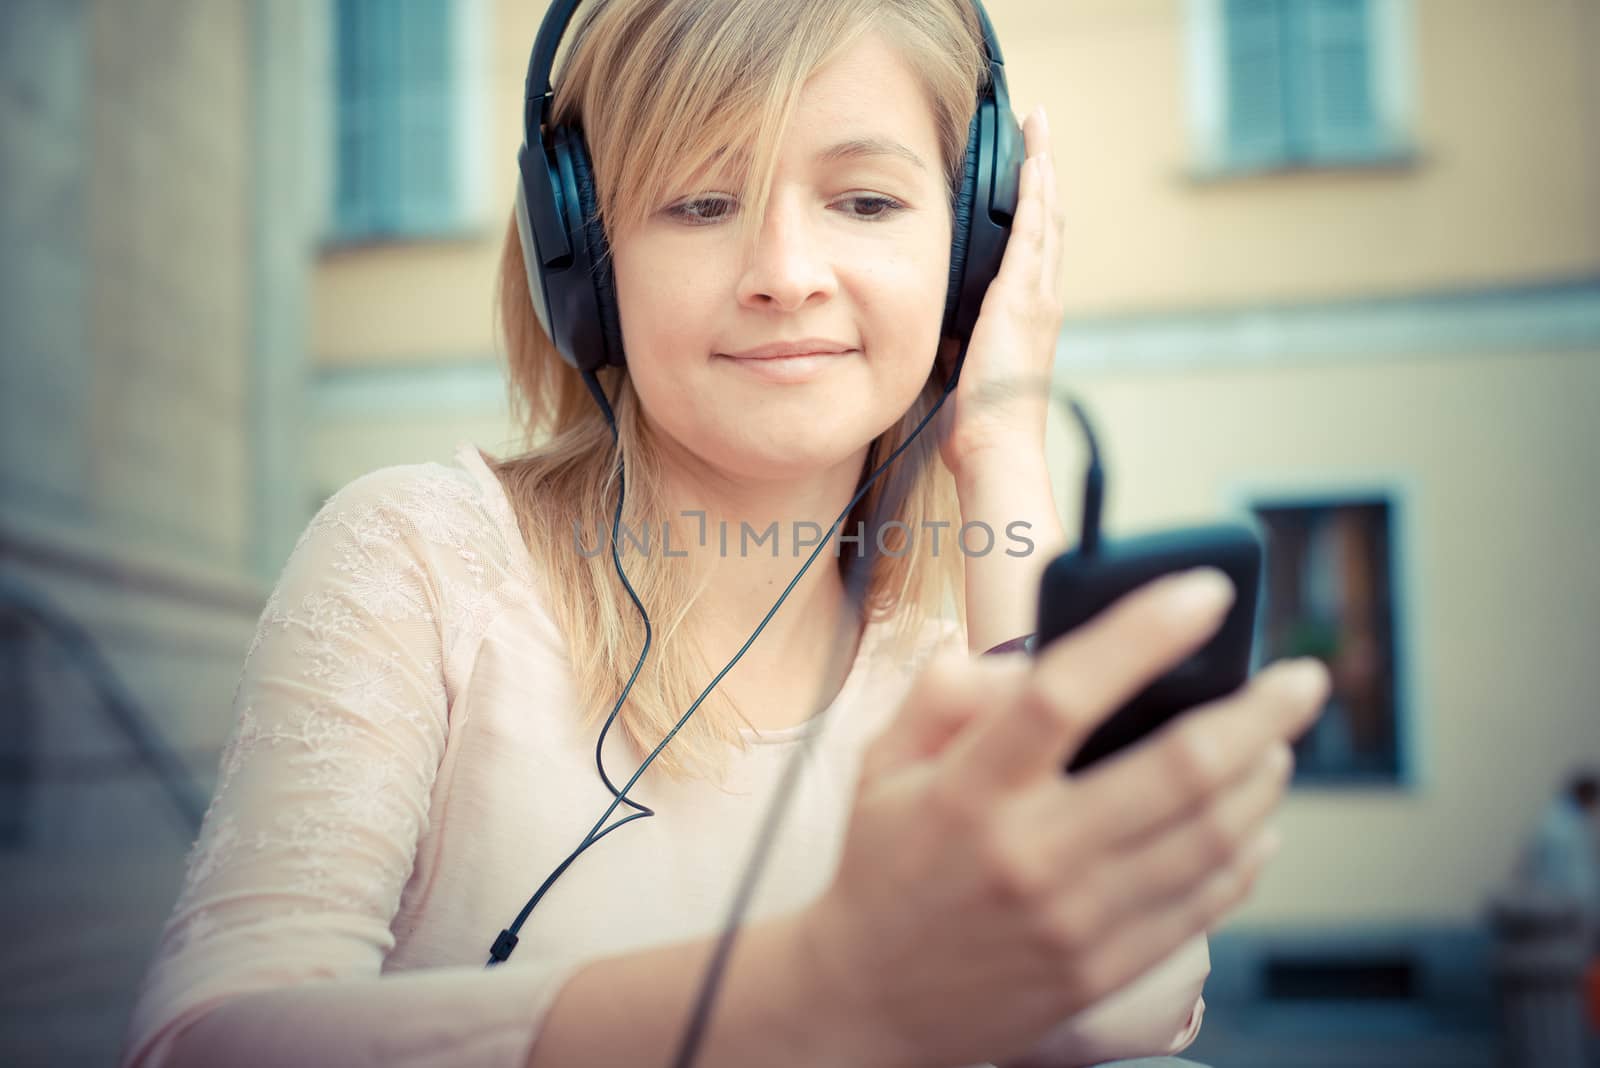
(789, 369)
(799, 346)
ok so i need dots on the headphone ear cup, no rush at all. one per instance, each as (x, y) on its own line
(961, 226)
(594, 232)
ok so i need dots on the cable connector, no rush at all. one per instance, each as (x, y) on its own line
(503, 946)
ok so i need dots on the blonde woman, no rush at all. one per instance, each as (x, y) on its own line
(416, 724)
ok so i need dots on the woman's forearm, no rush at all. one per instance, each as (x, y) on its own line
(1012, 496)
(769, 1010)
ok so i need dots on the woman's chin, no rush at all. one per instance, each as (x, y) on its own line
(793, 458)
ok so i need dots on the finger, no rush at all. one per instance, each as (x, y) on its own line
(1050, 251)
(1165, 866)
(1132, 948)
(1034, 134)
(1050, 257)
(1076, 681)
(943, 699)
(1019, 265)
(1026, 245)
(1199, 753)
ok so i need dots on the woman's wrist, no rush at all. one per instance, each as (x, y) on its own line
(1016, 533)
(841, 1026)
(774, 1006)
(778, 1007)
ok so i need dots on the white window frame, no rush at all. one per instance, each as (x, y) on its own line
(471, 67)
(1402, 490)
(1393, 71)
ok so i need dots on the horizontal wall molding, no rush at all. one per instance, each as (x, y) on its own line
(1552, 317)
(1450, 957)
(101, 559)
(470, 384)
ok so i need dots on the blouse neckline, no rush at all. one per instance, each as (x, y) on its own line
(468, 456)
(852, 684)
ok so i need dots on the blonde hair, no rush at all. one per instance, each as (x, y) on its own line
(661, 89)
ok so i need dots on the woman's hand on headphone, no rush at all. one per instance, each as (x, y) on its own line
(983, 896)
(1002, 400)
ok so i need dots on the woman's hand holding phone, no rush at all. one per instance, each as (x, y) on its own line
(983, 896)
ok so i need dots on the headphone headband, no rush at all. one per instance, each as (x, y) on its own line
(564, 245)
(537, 86)
(537, 89)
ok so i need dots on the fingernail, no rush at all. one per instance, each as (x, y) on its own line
(1280, 759)
(1266, 845)
(1307, 677)
(1202, 589)
(1044, 120)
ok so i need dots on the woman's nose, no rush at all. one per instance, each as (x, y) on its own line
(789, 264)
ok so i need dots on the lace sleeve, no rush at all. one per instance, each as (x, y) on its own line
(272, 953)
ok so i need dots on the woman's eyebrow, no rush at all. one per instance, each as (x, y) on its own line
(866, 147)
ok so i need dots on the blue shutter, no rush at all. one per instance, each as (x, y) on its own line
(426, 152)
(396, 92)
(1336, 119)
(382, 188)
(1299, 81)
(1254, 48)
(353, 158)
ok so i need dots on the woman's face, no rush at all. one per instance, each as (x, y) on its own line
(853, 253)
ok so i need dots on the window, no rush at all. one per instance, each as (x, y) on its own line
(409, 118)
(1298, 83)
(1330, 594)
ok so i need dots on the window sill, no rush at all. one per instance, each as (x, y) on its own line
(338, 244)
(1348, 782)
(1395, 161)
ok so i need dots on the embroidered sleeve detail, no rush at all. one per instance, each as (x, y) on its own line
(340, 722)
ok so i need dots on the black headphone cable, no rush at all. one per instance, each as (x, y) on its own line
(505, 943)
(1093, 493)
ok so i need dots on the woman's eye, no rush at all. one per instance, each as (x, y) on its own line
(873, 207)
(702, 210)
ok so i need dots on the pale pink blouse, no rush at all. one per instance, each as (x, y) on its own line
(405, 769)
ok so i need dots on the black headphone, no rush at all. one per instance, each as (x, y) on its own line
(570, 283)
(564, 242)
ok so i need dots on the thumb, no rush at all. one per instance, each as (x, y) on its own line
(947, 695)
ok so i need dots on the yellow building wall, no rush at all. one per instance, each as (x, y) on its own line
(1496, 461)
(426, 302)
(1503, 186)
(1496, 454)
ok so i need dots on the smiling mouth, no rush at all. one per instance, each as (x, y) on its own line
(792, 356)
(800, 346)
(792, 368)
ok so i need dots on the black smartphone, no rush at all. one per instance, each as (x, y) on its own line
(1076, 587)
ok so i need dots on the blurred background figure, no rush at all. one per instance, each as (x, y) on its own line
(1545, 922)
(1563, 855)
(1332, 264)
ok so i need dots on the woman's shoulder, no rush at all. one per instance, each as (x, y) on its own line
(439, 537)
(430, 542)
(457, 507)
